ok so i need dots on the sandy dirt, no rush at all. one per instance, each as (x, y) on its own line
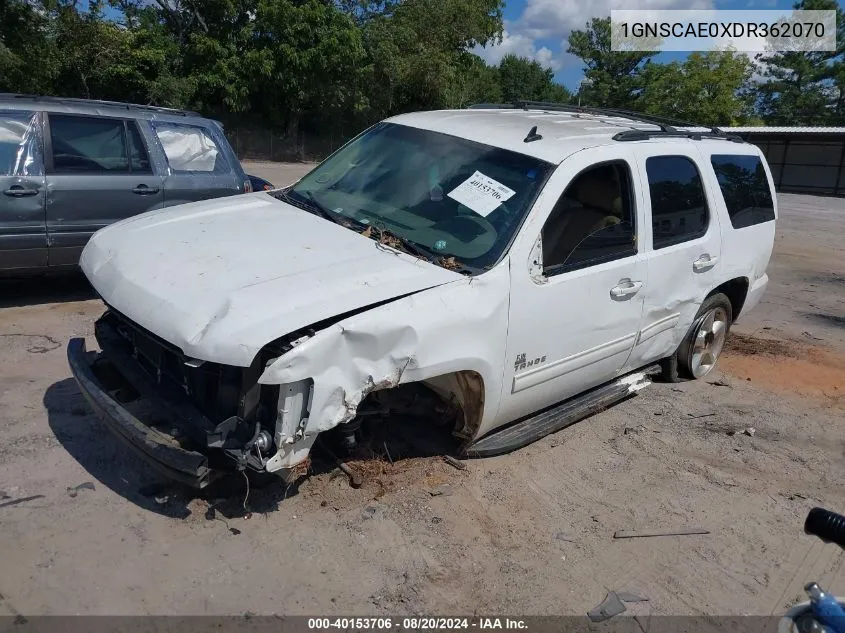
(744, 453)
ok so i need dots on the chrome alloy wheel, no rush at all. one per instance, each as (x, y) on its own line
(708, 339)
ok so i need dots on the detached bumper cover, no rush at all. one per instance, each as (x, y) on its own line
(159, 450)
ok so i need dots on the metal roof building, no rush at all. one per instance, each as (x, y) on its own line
(802, 159)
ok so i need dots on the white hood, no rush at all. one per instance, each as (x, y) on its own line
(222, 278)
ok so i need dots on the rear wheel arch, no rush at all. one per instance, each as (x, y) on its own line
(736, 290)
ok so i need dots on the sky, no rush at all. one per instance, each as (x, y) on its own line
(539, 28)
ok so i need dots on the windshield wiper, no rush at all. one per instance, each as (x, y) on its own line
(321, 210)
(385, 236)
(308, 203)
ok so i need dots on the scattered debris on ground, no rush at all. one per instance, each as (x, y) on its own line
(72, 491)
(454, 462)
(15, 502)
(667, 532)
(719, 383)
(609, 607)
(634, 429)
(612, 605)
(563, 536)
(695, 416)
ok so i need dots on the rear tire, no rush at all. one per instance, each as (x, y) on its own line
(699, 351)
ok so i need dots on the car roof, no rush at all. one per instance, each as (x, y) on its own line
(66, 105)
(563, 132)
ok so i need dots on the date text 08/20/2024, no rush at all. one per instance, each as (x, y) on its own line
(414, 624)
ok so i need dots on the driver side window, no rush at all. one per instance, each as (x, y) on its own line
(592, 222)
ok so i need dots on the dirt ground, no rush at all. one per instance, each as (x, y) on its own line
(526, 533)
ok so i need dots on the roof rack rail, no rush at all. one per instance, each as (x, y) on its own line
(643, 135)
(490, 106)
(668, 126)
(12, 96)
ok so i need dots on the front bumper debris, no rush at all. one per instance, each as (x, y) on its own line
(163, 452)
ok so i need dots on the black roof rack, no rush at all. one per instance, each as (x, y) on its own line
(11, 96)
(668, 127)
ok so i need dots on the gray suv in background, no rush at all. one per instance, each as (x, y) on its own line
(69, 167)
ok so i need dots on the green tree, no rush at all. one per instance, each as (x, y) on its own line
(28, 56)
(94, 54)
(525, 79)
(475, 82)
(304, 60)
(417, 51)
(708, 88)
(804, 88)
(613, 76)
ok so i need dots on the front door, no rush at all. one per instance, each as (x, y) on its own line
(23, 234)
(577, 294)
(682, 250)
(98, 172)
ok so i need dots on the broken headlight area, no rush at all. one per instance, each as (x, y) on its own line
(223, 413)
(219, 410)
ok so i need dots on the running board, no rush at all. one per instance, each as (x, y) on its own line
(560, 416)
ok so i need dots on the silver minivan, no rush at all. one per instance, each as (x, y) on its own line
(69, 167)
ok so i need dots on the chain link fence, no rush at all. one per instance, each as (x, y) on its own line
(263, 144)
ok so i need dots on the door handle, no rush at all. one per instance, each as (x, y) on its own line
(144, 190)
(16, 191)
(626, 288)
(704, 262)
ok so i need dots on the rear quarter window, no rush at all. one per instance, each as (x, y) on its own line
(190, 148)
(745, 189)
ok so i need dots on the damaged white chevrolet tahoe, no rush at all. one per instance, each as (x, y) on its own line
(504, 271)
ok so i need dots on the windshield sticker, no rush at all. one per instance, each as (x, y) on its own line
(481, 193)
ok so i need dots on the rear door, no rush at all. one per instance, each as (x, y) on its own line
(683, 247)
(23, 232)
(98, 172)
(199, 165)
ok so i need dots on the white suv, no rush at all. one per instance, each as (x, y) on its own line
(502, 270)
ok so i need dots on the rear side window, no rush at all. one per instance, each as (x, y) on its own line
(190, 148)
(678, 205)
(19, 147)
(745, 189)
(87, 144)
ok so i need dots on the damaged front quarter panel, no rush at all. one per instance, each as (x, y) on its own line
(451, 337)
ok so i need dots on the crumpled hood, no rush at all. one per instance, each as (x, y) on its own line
(222, 278)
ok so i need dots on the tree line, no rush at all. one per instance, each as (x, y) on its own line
(310, 66)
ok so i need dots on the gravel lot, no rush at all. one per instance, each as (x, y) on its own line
(526, 533)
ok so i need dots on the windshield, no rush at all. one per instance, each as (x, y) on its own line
(452, 197)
